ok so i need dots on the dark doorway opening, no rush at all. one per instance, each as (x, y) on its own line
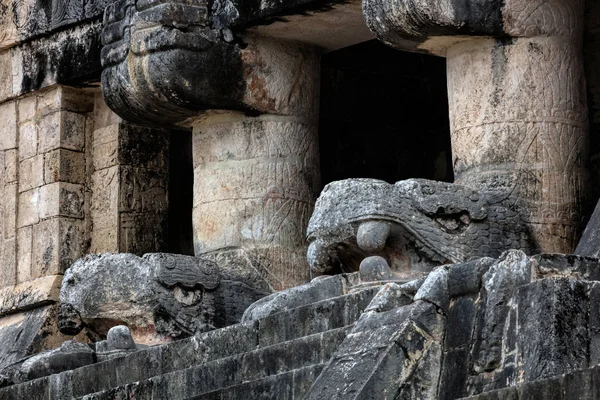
(181, 191)
(384, 115)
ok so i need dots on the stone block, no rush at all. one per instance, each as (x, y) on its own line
(105, 199)
(27, 108)
(65, 98)
(50, 101)
(29, 208)
(2, 168)
(62, 129)
(31, 173)
(594, 323)
(57, 243)
(141, 233)
(461, 319)
(62, 165)
(312, 292)
(143, 146)
(24, 248)
(75, 100)
(10, 166)
(8, 28)
(454, 374)
(104, 240)
(8, 126)
(28, 140)
(9, 210)
(50, 131)
(552, 327)
(106, 147)
(142, 190)
(103, 116)
(8, 260)
(61, 199)
(6, 78)
(29, 294)
(18, 74)
(72, 134)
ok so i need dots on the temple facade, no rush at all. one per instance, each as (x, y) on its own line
(400, 186)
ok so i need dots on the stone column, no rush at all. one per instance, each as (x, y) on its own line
(256, 173)
(518, 124)
(517, 103)
(256, 177)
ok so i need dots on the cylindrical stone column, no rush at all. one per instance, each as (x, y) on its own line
(519, 127)
(517, 98)
(256, 177)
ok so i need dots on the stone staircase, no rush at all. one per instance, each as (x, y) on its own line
(470, 329)
(278, 356)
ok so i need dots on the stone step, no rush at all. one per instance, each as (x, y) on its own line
(236, 339)
(291, 385)
(234, 370)
(317, 317)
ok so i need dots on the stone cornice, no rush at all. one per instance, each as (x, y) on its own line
(434, 26)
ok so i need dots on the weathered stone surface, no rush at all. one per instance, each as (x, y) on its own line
(581, 384)
(465, 278)
(129, 202)
(390, 296)
(68, 356)
(27, 333)
(324, 315)
(565, 265)
(67, 56)
(117, 338)
(375, 268)
(372, 235)
(118, 343)
(431, 223)
(553, 336)
(8, 129)
(395, 354)
(23, 20)
(158, 297)
(270, 164)
(30, 294)
(435, 289)
(261, 75)
(500, 283)
(318, 289)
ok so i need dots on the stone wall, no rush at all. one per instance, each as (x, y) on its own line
(43, 177)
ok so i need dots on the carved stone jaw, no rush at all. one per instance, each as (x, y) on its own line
(408, 256)
(158, 297)
(415, 225)
(163, 62)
